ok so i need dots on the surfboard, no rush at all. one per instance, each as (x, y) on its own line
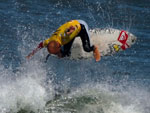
(109, 41)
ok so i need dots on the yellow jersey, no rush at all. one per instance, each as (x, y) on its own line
(60, 34)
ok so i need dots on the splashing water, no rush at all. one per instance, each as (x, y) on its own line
(98, 98)
(24, 89)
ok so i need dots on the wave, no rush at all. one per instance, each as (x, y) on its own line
(96, 98)
(30, 91)
(24, 89)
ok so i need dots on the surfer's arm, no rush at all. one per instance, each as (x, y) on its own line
(35, 50)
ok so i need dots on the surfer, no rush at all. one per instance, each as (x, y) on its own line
(62, 39)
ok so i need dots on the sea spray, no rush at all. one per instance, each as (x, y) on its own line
(27, 89)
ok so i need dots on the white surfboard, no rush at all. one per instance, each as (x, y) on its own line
(109, 41)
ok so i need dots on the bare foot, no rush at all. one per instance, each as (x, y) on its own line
(96, 53)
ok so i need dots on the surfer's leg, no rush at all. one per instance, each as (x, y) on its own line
(66, 48)
(86, 42)
(85, 39)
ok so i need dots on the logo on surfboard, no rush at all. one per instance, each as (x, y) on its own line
(123, 36)
(116, 47)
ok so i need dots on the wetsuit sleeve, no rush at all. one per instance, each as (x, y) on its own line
(43, 44)
(40, 45)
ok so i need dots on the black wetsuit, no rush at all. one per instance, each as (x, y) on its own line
(85, 42)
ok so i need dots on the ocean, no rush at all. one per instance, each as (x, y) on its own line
(117, 84)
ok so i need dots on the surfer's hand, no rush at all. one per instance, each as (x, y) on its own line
(29, 56)
(33, 52)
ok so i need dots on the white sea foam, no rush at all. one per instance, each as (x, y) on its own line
(26, 89)
(103, 98)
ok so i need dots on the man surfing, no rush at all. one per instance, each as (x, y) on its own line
(62, 39)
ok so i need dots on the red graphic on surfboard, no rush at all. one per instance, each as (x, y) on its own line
(123, 36)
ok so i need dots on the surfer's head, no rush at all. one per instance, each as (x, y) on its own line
(54, 47)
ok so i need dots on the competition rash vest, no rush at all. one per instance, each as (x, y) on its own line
(60, 34)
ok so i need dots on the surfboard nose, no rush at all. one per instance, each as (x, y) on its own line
(133, 38)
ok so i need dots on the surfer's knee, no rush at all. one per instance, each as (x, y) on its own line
(88, 48)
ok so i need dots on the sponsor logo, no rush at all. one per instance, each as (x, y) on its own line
(116, 47)
(123, 37)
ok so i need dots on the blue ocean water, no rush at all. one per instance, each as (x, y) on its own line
(117, 84)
